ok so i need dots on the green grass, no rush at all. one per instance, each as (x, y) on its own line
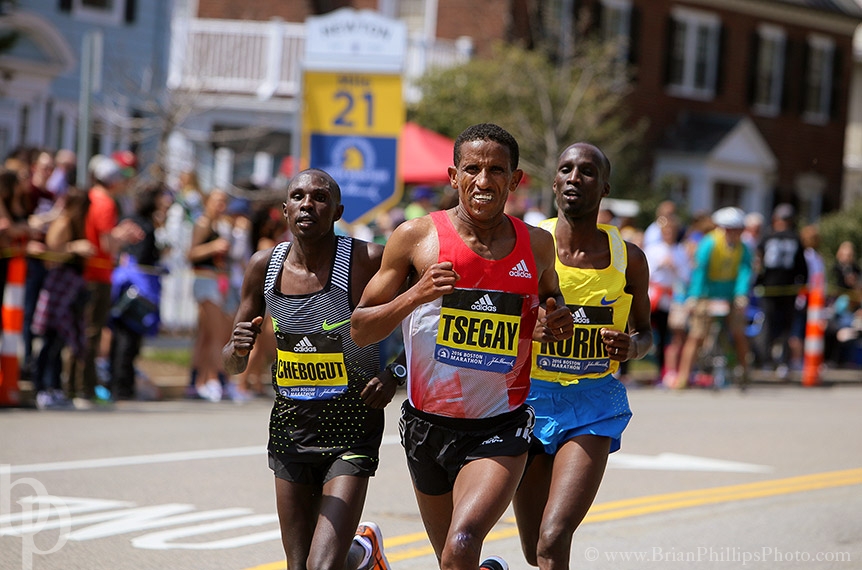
(647, 364)
(178, 356)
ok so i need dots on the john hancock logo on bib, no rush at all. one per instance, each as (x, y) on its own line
(479, 329)
(309, 366)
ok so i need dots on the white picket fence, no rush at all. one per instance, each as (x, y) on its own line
(179, 311)
(265, 58)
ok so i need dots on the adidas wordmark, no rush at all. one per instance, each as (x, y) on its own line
(580, 317)
(484, 304)
(304, 346)
(521, 270)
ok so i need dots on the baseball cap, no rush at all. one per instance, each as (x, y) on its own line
(753, 219)
(729, 218)
(783, 212)
(128, 162)
(106, 170)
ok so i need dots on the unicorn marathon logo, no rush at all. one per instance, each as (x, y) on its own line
(353, 162)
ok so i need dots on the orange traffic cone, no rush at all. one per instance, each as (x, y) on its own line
(815, 327)
(13, 325)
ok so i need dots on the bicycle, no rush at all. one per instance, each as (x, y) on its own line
(717, 355)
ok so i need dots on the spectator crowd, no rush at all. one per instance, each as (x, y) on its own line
(96, 253)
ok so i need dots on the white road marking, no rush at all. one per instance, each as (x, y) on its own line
(662, 461)
(139, 459)
(678, 462)
(153, 458)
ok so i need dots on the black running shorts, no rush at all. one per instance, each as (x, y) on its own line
(323, 468)
(437, 447)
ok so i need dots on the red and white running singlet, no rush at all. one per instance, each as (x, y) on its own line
(468, 353)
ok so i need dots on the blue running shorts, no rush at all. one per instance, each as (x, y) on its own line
(594, 406)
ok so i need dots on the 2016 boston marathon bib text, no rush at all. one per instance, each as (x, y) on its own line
(310, 366)
(584, 353)
(479, 329)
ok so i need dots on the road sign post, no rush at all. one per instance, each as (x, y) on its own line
(353, 110)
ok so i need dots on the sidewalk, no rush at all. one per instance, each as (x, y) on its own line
(173, 385)
(828, 377)
(171, 378)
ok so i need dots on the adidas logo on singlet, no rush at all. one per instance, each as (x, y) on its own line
(484, 304)
(304, 346)
(580, 317)
(521, 270)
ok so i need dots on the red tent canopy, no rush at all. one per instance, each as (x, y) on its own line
(425, 155)
(286, 167)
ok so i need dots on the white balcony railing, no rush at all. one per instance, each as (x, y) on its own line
(264, 58)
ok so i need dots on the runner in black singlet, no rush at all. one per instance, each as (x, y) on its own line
(327, 420)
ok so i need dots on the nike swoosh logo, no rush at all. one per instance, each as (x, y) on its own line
(328, 327)
(611, 302)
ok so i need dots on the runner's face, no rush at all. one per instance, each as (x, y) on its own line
(580, 182)
(311, 209)
(484, 178)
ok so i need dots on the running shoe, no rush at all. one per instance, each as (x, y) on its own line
(369, 533)
(191, 393)
(236, 394)
(211, 390)
(493, 563)
(82, 403)
(60, 399)
(44, 400)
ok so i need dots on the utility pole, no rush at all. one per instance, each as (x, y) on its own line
(91, 68)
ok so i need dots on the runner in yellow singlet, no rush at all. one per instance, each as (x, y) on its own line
(581, 407)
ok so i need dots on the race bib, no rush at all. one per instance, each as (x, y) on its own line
(584, 353)
(479, 330)
(309, 366)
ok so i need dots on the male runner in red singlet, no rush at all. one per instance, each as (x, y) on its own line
(467, 284)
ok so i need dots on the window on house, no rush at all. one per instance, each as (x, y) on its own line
(678, 188)
(727, 194)
(5, 140)
(693, 55)
(769, 70)
(817, 84)
(60, 131)
(106, 12)
(24, 123)
(97, 130)
(412, 13)
(616, 25)
(47, 133)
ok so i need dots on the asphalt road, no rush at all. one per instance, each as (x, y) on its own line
(768, 479)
